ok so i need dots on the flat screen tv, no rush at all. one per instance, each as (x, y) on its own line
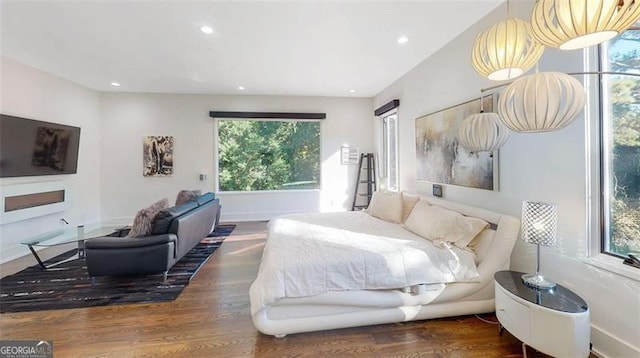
(30, 148)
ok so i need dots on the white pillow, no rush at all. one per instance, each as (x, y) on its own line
(408, 202)
(386, 206)
(481, 244)
(440, 224)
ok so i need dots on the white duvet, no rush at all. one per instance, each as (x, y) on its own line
(311, 254)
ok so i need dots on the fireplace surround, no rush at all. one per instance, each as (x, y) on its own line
(30, 200)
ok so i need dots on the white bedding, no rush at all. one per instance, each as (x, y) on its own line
(311, 254)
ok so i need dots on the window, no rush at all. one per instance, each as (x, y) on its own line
(620, 144)
(268, 155)
(390, 150)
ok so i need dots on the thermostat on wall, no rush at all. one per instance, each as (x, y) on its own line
(437, 190)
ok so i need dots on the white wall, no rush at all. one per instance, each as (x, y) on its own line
(127, 118)
(30, 93)
(547, 166)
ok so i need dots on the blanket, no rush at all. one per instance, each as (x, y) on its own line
(311, 254)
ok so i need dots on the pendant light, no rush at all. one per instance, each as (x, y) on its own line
(506, 50)
(482, 132)
(574, 24)
(541, 102)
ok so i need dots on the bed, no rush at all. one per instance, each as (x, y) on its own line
(325, 271)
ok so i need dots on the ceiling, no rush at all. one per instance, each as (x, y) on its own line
(309, 48)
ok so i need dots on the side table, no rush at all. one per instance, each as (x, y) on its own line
(554, 322)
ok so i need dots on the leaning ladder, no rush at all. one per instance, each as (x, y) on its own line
(365, 186)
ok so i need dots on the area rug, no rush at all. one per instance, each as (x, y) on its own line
(68, 285)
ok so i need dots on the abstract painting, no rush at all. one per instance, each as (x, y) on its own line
(441, 159)
(157, 155)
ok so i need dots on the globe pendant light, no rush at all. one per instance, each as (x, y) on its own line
(482, 132)
(574, 24)
(541, 102)
(506, 50)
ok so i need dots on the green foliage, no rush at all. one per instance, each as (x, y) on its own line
(625, 226)
(268, 155)
(625, 121)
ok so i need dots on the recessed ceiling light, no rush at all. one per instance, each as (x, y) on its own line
(352, 91)
(402, 40)
(115, 84)
(206, 29)
(241, 88)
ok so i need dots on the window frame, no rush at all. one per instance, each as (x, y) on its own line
(596, 190)
(385, 149)
(604, 162)
(216, 155)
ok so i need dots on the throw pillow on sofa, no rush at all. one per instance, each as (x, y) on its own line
(439, 224)
(143, 222)
(165, 217)
(386, 206)
(187, 195)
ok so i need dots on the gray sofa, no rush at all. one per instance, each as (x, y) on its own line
(175, 232)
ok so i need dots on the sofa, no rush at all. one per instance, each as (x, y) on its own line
(176, 231)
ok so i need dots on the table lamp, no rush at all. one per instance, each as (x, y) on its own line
(539, 226)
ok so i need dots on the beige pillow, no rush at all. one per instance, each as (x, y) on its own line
(481, 244)
(440, 224)
(408, 202)
(143, 222)
(386, 206)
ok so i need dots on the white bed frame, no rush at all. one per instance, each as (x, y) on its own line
(344, 309)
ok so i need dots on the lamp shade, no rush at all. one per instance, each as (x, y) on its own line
(541, 102)
(506, 50)
(482, 132)
(539, 223)
(574, 24)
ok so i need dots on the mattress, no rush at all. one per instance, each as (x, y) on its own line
(311, 254)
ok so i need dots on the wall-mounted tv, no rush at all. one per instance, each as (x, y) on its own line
(30, 148)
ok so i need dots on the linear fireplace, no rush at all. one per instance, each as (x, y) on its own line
(26, 201)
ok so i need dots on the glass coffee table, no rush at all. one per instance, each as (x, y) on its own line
(66, 235)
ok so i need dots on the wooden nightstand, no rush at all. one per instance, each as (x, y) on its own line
(554, 322)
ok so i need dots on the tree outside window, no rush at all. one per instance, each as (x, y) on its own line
(258, 155)
(621, 144)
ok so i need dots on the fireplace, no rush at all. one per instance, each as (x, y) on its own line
(26, 201)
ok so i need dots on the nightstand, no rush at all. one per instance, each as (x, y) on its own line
(554, 322)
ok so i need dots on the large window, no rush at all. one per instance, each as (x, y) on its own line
(268, 155)
(620, 145)
(390, 150)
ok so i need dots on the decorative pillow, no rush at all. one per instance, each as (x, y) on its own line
(386, 206)
(143, 222)
(440, 224)
(165, 217)
(408, 202)
(481, 244)
(187, 195)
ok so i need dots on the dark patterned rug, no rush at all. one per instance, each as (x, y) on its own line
(68, 285)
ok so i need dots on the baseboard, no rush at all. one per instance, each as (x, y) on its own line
(606, 345)
(252, 216)
(15, 253)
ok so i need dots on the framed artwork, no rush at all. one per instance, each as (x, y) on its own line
(157, 156)
(441, 159)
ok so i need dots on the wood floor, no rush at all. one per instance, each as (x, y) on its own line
(211, 319)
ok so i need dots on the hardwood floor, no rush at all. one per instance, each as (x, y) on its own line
(211, 319)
